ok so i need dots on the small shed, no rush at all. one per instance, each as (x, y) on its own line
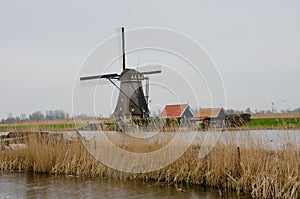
(180, 111)
(211, 116)
(216, 113)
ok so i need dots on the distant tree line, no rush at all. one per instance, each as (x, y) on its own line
(233, 111)
(248, 110)
(37, 116)
(60, 114)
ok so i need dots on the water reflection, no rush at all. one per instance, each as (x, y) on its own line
(17, 185)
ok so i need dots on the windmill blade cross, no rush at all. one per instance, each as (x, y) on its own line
(95, 82)
(149, 69)
(151, 72)
(107, 76)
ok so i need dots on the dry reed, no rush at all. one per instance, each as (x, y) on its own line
(251, 170)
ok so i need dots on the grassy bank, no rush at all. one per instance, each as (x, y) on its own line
(47, 125)
(38, 127)
(253, 170)
(273, 123)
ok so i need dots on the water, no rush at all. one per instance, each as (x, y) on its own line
(16, 185)
(269, 139)
(4, 133)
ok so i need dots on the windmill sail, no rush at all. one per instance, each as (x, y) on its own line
(92, 77)
(149, 69)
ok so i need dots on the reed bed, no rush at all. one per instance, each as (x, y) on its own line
(251, 170)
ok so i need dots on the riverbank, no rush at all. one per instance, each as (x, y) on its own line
(251, 170)
(257, 122)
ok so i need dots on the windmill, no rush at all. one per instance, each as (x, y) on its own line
(132, 101)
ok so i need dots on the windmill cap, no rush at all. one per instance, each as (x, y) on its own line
(131, 75)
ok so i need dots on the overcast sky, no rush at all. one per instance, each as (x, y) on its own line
(255, 44)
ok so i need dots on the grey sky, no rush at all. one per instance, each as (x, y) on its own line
(255, 44)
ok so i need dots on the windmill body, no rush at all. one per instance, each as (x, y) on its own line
(132, 102)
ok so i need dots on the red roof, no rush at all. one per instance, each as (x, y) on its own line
(173, 110)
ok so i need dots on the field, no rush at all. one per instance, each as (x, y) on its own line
(47, 125)
(276, 115)
(272, 123)
(250, 170)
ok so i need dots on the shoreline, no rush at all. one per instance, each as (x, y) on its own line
(257, 123)
(260, 128)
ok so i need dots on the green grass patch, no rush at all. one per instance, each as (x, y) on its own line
(41, 127)
(273, 123)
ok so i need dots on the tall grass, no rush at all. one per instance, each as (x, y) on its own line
(251, 170)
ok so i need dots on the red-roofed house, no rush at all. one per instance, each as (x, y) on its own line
(177, 111)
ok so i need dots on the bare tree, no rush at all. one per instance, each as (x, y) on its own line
(23, 116)
(38, 115)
